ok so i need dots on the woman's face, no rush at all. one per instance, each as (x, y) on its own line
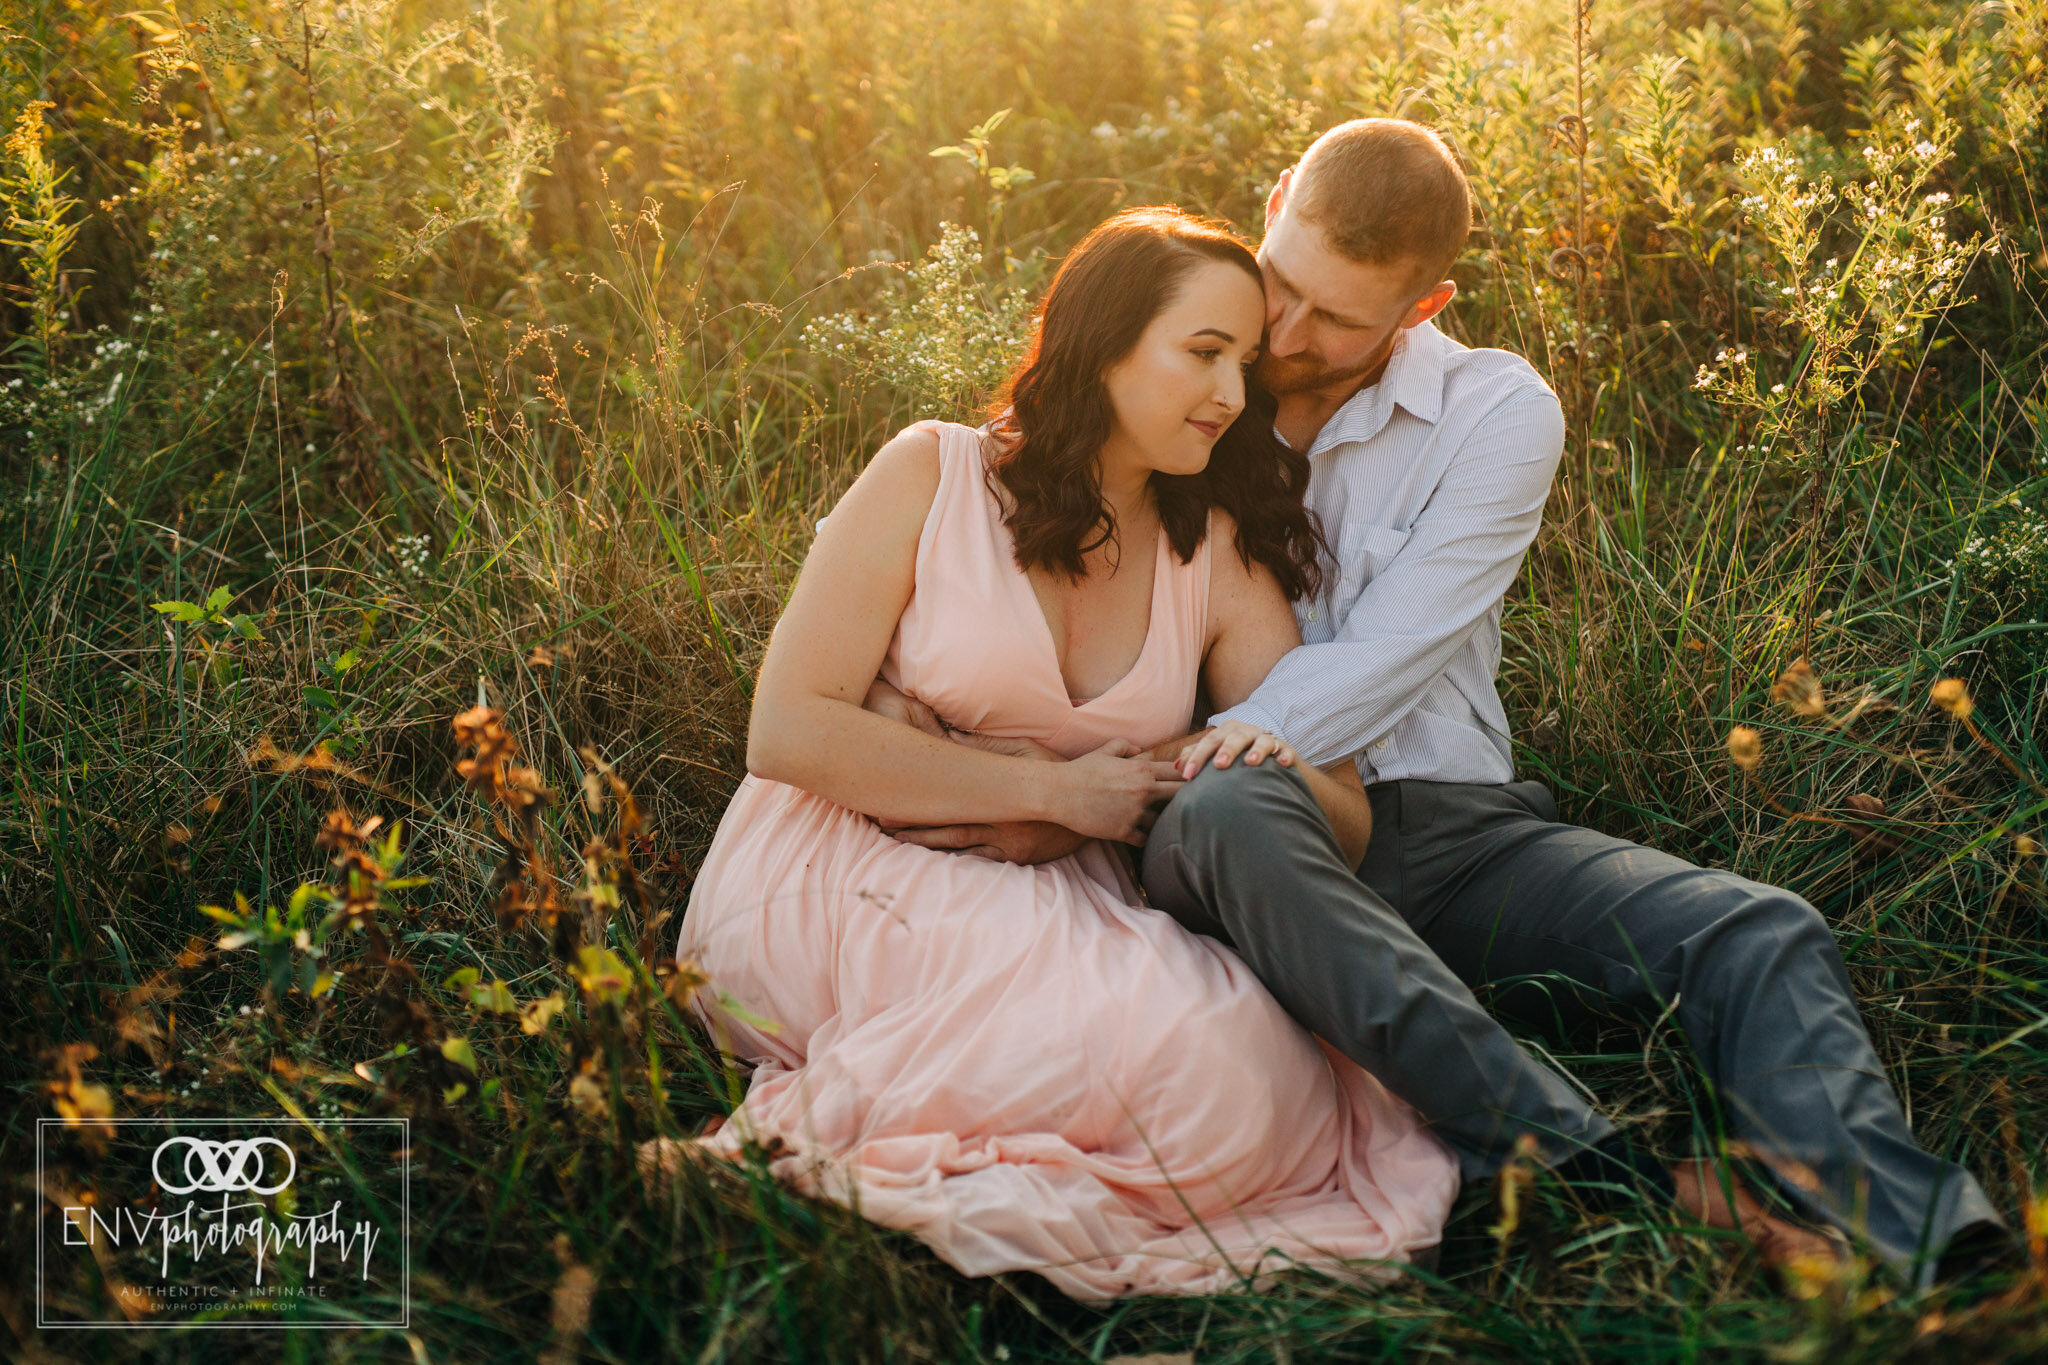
(1182, 385)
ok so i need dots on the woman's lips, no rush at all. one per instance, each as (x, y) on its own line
(1208, 429)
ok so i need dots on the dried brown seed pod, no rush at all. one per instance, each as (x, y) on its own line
(1746, 747)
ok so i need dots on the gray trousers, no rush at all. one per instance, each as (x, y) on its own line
(1465, 886)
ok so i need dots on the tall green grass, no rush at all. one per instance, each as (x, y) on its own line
(506, 357)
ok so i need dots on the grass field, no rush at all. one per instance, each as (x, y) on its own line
(368, 364)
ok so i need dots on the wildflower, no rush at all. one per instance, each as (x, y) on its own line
(1925, 150)
(412, 555)
(1746, 748)
(1798, 688)
(1777, 388)
(1104, 130)
(1953, 697)
(1810, 1275)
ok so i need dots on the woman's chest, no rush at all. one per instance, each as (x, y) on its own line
(1096, 627)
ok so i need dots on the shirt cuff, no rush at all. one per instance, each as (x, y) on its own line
(1250, 715)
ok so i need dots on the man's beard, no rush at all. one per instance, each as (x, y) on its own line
(1281, 375)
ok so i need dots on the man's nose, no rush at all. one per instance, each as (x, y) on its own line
(1286, 332)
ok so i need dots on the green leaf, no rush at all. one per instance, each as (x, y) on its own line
(244, 625)
(456, 1049)
(747, 1016)
(217, 599)
(183, 611)
(460, 980)
(322, 698)
(224, 916)
(494, 996)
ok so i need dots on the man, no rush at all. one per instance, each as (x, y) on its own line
(1431, 463)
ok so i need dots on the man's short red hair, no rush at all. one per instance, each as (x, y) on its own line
(1385, 190)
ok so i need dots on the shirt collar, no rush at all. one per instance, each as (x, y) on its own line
(1413, 380)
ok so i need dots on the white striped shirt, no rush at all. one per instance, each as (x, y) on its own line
(1430, 485)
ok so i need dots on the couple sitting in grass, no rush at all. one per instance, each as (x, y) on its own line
(1270, 483)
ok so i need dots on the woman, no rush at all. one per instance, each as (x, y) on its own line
(1024, 1065)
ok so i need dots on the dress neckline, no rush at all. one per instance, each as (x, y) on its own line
(1050, 647)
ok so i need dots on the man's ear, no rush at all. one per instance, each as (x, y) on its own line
(1278, 197)
(1430, 304)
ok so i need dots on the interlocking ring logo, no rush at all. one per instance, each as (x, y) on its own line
(224, 1167)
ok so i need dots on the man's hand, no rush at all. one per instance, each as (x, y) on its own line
(1015, 746)
(885, 700)
(1017, 841)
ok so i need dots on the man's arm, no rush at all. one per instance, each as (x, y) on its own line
(1332, 700)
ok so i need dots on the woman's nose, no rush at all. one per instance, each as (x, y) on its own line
(1230, 393)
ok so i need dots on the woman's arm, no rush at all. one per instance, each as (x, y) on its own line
(808, 727)
(1251, 626)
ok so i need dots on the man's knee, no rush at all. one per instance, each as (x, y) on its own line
(1241, 796)
(1216, 818)
(1758, 923)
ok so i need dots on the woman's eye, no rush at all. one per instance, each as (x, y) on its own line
(1209, 353)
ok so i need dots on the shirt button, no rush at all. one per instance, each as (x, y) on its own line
(1311, 613)
(1379, 746)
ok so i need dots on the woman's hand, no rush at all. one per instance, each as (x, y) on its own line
(1227, 742)
(1114, 792)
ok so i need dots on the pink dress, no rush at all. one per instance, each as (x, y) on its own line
(1026, 1066)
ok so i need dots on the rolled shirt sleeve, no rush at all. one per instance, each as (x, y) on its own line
(1333, 700)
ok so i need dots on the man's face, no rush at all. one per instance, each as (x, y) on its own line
(1330, 320)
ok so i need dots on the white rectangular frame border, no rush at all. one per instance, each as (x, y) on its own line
(402, 1322)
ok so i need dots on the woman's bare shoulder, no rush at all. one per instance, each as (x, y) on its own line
(910, 456)
(897, 487)
(1228, 571)
(1241, 593)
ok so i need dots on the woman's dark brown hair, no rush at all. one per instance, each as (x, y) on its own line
(1055, 413)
